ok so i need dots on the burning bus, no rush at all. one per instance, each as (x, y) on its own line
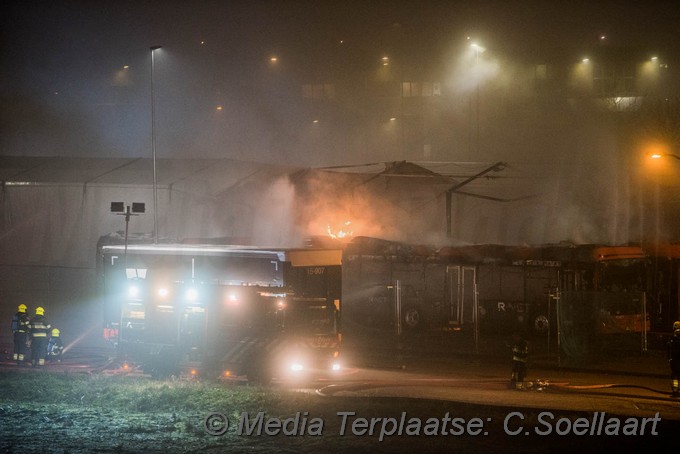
(447, 288)
(495, 288)
(227, 311)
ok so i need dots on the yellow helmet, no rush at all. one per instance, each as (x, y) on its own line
(676, 325)
(22, 308)
(55, 332)
(39, 311)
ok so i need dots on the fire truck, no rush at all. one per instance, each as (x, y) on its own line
(223, 311)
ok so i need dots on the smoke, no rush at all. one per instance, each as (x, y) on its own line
(274, 224)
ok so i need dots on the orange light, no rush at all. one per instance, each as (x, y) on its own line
(343, 232)
(655, 156)
(193, 372)
(227, 373)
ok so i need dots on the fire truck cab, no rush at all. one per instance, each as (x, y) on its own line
(223, 311)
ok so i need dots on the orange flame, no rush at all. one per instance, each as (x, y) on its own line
(344, 232)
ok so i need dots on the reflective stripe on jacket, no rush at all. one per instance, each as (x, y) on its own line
(39, 326)
(520, 352)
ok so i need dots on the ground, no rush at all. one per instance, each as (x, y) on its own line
(47, 411)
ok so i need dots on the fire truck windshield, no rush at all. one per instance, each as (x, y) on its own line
(315, 318)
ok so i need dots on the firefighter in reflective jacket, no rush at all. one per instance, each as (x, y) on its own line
(54, 346)
(39, 328)
(520, 354)
(20, 327)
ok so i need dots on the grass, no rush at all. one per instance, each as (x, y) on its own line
(136, 394)
(43, 411)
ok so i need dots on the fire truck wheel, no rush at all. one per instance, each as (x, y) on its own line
(541, 324)
(412, 317)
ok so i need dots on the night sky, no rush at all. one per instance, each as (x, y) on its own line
(65, 91)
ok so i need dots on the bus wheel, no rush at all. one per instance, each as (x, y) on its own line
(412, 318)
(541, 324)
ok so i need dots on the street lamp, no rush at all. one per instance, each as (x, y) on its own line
(663, 155)
(153, 151)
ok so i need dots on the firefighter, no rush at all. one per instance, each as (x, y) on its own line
(39, 328)
(520, 354)
(20, 327)
(54, 346)
(674, 358)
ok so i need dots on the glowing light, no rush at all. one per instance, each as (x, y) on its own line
(281, 304)
(232, 298)
(335, 367)
(656, 156)
(344, 232)
(192, 294)
(133, 291)
(315, 121)
(126, 67)
(194, 372)
(585, 60)
(218, 108)
(393, 119)
(477, 48)
(654, 58)
(297, 367)
(163, 292)
(274, 59)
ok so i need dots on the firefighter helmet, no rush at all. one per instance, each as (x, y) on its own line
(22, 308)
(39, 311)
(55, 332)
(676, 325)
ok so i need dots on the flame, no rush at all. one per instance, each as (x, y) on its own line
(343, 233)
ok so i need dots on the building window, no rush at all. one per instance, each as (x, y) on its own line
(411, 89)
(318, 91)
(614, 81)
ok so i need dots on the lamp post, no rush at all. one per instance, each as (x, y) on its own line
(664, 155)
(121, 209)
(478, 50)
(153, 150)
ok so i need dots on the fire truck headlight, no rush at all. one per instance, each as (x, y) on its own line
(192, 294)
(133, 291)
(163, 292)
(335, 367)
(297, 367)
